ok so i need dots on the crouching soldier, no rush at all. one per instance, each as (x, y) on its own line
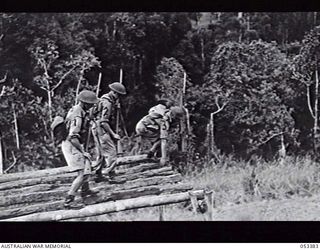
(104, 136)
(72, 136)
(155, 126)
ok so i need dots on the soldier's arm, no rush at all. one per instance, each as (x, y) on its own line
(164, 140)
(76, 143)
(105, 125)
(105, 115)
(74, 133)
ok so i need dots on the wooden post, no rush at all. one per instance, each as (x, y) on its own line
(98, 85)
(182, 121)
(90, 131)
(194, 201)
(208, 197)
(121, 75)
(161, 213)
(119, 147)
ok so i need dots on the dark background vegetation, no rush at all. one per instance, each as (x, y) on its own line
(260, 66)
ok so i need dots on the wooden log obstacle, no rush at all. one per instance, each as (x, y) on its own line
(139, 182)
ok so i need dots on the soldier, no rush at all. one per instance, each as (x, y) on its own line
(104, 136)
(73, 136)
(154, 112)
(155, 126)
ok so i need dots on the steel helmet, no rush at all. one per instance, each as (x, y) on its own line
(87, 97)
(118, 87)
(177, 111)
(166, 102)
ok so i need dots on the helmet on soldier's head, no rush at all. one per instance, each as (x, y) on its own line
(177, 111)
(118, 87)
(87, 97)
(166, 102)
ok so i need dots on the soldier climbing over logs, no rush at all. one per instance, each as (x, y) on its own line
(104, 136)
(154, 127)
(72, 137)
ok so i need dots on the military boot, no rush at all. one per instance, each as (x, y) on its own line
(99, 177)
(86, 191)
(112, 173)
(68, 203)
(150, 154)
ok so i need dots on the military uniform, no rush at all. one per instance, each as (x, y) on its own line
(155, 125)
(73, 135)
(76, 122)
(105, 144)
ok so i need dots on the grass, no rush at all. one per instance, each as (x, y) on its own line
(240, 195)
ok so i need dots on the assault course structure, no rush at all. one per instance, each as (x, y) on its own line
(139, 182)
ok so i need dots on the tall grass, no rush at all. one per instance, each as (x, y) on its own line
(238, 184)
(234, 179)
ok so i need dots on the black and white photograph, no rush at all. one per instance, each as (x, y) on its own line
(159, 116)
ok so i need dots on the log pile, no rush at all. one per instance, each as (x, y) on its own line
(29, 195)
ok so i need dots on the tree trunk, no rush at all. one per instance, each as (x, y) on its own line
(212, 134)
(282, 151)
(62, 170)
(202, 54)
(49, 103)
(316, 116)
(108, 207)
(16, 130)
(208, 140)
(55, 182)
(49, 93)
(213, 149)
(114, 30)
(106, 191)
(1, 157)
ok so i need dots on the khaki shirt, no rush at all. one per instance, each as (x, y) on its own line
(158, 119)
(105, 108)
(76, 123)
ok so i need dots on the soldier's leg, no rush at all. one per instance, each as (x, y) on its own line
(100, 166)
(85, 190)
(153, 149)
(105, 143)
(110, 154)
(76, 184)
(137, 146)
(112, 163)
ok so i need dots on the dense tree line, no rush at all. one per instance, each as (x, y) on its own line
(254, 74)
